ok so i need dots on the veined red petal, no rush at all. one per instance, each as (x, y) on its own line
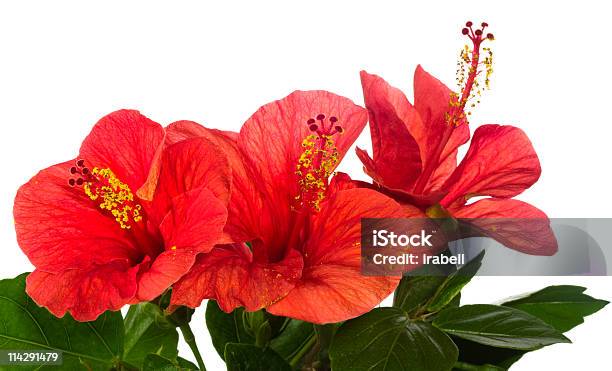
(397, 158)
(59, 227)
(177, 132)
(271, 139)
(341, 181)
(422, 201)
(184, 129)
(432, 101)
(246, 219)
(167, 268)
(126, 142)
(369, 166)
(448, 159)
(193, 225)
(188, 165)
(332, 288)
(231, 276)
(516, 224)
(500, 162)
(195, 221)
(84, 293)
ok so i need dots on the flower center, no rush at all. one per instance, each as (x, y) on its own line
(318, 161)
(110, 193)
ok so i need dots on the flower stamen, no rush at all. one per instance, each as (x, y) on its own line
(113, 195)
(470, 66)
(318, 161)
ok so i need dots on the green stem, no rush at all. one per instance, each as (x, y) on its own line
(325, 333)
(190, 340)
(303, 351)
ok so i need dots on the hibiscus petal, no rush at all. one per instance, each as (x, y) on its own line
(177, 132)
(246, 220)
(126, 142)
(271, 143)
(231, 276)
(271, 139)
(184, 129)
(431, 100)
(168, 267)
(187, 165)
(500, 162)
(341, 181)
(195, 221)
(193, 225)
(397, 160)
(448, 159)
(332, 288)
(369, 166)
(422, 201)
(59, 227)
(515, 224)
(85, 293)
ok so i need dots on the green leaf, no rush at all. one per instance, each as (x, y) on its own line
(417, 288)
(185, 364)
(386, 339)
(246, 357)
(277, 323)
(226, 327)
(453, 285)
(498, 326)
(455, 302)
(263, 334)
(294, 335)
(148, 331)
(414, 292)
(563, 307)
(93, 345)
(480, 355)
(470, 367)
(155, 362)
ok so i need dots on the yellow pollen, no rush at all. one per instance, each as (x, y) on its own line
(314, 167)
(114, 196)
(470, 81)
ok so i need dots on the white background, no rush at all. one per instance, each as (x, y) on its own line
(63, 65)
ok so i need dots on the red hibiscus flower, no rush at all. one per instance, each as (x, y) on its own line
(95, 244)
(302, 259)
(415, 151)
